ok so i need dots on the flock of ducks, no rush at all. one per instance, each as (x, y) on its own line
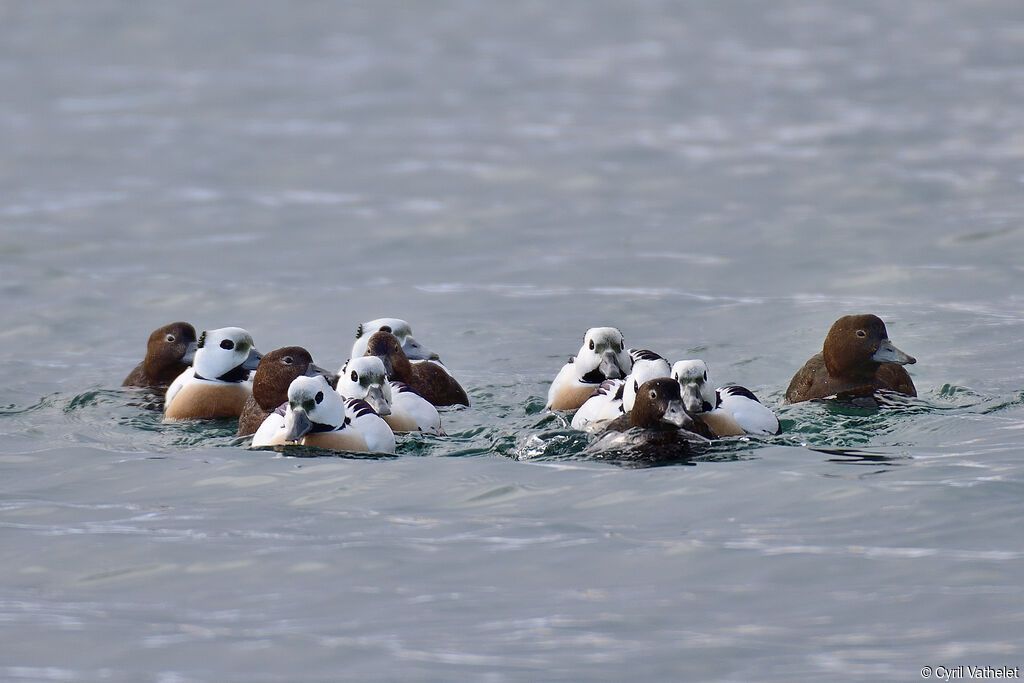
(390, 384)
(632, 398)
(636, 399)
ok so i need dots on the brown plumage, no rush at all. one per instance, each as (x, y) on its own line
(339, 440)
(657, 431)
(856, 360)
(270, 383)
(209, 401)
(168, 354)
(659, 405)
(425, 378)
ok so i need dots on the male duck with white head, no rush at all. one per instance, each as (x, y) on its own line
(403, 409)
(728, 411)
(316, 415)
(603, 356)
(217, 385)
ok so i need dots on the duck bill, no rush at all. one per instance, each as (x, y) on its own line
(389, 369)
(375, 397)
(609, 366)
(675, 414)
(296, 424)
(190, 353)
(692, 400)
(253, 360)
(312, 370)
(416, 351)
(888, 353)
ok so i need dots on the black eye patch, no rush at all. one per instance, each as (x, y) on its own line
(319, 398)
(227, 345)
(355, 376)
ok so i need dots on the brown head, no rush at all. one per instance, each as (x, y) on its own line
(658, 402)
(276, 371)
(169, 352)
(857, 344)
(386, 346)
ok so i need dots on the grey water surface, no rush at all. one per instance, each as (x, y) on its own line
(718, 180)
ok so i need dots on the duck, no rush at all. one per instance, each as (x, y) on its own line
(274, 374)
(615, 397)
(856, 360)
(169, 352)
(378, 435)
(427, 379)
(602, 356)
(403, 409)
(604, 405)
(317, 416)
(730, 410)
(657, 428)
(217, 385)
(403, 332)
(422, 411)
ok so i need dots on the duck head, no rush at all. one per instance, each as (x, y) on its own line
(366, 378)
(170, 350)
(277, 369)
(658, 401)
(698, 392)
(227, 354)
(857, 344)
(602, 356)
(312, 406)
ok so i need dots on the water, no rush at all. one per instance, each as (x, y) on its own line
(718, 181)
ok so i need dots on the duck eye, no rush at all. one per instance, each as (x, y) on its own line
(653, 393)
(354, 376)
(287, 360)
(861, 333)
(227, 345)
(171, 338)
(591, 344)
(636, 385)
(319, 398)
(705, 375)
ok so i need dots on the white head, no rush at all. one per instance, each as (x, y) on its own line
(312, 402)
(227, 354)
(698, 393)
(364, 377)
(602, 356)
(400, 328)
(646, 365)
